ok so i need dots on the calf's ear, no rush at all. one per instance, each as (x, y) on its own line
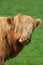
(10, 20)
(37, 22)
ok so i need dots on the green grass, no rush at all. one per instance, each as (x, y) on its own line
(32, 54)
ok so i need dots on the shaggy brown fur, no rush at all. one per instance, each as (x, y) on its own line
(15, 32)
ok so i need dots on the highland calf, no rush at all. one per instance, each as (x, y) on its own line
(15, 32)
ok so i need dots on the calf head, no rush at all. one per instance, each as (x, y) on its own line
(24, 26)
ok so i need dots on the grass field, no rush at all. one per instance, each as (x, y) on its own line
(32, 54)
